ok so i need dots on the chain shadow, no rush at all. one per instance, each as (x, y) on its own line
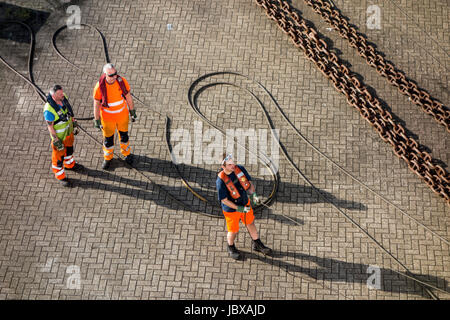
(333, 270)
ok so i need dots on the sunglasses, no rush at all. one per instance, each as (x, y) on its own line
(228, 157)
(112, 75)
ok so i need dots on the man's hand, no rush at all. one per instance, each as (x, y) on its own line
(254, 199)
(133, 115)
(58, 144)
(98, 124)
(243, 209)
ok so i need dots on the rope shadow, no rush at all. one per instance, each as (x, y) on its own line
(337, 271)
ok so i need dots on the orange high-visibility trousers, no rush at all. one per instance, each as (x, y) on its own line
(64, 158)
(109, 128)
(233, 218)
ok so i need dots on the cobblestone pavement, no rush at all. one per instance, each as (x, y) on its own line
(118, 235)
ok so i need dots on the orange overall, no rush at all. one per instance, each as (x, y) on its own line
(63, 158)
(113, 118)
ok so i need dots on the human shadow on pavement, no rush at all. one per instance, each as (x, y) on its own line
(205, 185)
(206, 180)
(335, 271)
(162, 195)
(158, 193)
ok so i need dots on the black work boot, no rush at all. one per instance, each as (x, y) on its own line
(76, 167)
(65, 182)
(129, 159)
(106, 164)
(234, 253)
(257, 245)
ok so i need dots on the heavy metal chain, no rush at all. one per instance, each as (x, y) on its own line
(358, 96)
(386, 69)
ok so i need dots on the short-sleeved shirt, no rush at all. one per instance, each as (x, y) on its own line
(116, 102)
(48, 116)
(223, 192)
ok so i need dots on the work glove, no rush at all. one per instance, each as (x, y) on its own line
(243, 209)
(75, 127)
(254, 199)
(98, 124)
(58, 144)
(133, 115)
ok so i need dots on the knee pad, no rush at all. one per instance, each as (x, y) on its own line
(123, 136)
(109, 142)
(69, 151)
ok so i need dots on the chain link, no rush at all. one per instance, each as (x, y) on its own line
(358, 41)
(357, 94)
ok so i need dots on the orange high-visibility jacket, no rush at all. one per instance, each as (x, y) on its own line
(115, 99)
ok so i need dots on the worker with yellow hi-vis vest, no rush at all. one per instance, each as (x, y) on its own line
(60, 120)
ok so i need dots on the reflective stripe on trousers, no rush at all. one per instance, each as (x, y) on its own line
(59, 172)
(69, 161)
